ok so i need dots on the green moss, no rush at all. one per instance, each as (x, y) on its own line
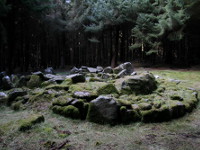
(71, 112)
(128, 116)
(124, 102)
(17, 105)
(62, 101)
(107, 89)
(28, 123)
(58, 87)
(57, 109)
(87, 86)
(93, 79)
(47, 83)
(145, 106)
(34, 81)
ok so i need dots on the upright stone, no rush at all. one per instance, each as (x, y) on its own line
(103, 110)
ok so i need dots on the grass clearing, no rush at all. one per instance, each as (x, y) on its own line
(177, 134)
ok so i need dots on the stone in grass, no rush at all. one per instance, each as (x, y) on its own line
(35, 81)
(29, 122)
(103, 110)
(107, 89)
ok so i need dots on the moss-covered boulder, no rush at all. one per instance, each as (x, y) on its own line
(144, 83)
(103, 110)
(62, 101)
(71, 112)
(35, 81)
(107, 89)
(29, 122)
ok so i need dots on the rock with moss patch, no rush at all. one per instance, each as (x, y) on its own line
(23, 81)
(76, 78)
(84, 95)
(108, 70)
(62, 101)
(145, 106)
(35, 81)
(128, 115)
(28, 123)
(14, 93)
(121, 74)
(107, 89)
(103, 110)
(142, 84)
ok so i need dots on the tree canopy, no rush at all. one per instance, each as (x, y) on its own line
(85, 32)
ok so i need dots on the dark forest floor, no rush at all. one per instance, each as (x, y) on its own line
(58, 132)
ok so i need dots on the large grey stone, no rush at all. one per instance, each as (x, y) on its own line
(103, 110)
(141, 84)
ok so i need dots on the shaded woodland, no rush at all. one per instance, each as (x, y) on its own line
(37, 34)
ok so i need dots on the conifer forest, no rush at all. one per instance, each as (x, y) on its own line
(99, 74)
(37, 34)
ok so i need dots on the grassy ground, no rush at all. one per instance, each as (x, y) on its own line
(58, 132)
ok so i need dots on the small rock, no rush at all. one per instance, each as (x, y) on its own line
(76, 78)
(6, 83)
(12, 95)
(99, 69)
(92, 70)
(133, 73)
(74, 70)
(108, 70)
(49, 70)
(122, 74)
(54, 78)
(128, 67)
